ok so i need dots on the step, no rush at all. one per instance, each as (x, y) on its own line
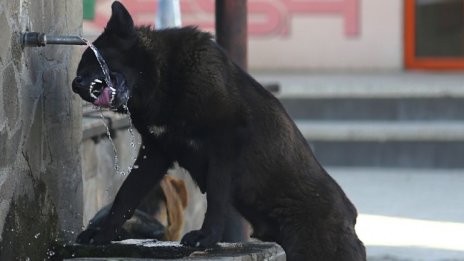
(387, 109)
(382, 131)
(365, 85)
(438, 144)
(364, 96)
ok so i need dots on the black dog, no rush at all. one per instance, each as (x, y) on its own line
(192, 105)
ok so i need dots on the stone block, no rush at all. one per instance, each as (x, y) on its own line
(34, 149)
(39, 132)
(3, 148)
(74, 17)
(156, 250)
(35, 11)
(10, 96)
(4, 205)
(13, 146)
(5, 39)
(89, 159)
(91, 202)
(7, 184)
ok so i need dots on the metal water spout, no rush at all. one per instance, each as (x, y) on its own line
(35, 39)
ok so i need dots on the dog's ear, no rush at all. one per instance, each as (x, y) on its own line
(120, 23)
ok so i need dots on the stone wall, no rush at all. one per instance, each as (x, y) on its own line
(40, 130)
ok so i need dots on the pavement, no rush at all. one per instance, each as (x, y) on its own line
(407, 214)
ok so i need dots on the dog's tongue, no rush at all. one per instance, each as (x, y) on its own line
(104, 98)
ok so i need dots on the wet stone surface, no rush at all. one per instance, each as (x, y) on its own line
(157, 250)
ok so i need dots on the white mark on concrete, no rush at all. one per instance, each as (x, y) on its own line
(148, 243)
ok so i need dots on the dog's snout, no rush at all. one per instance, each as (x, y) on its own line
(78, 79)
(77, 83)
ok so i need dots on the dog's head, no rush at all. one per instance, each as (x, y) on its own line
(116, 46)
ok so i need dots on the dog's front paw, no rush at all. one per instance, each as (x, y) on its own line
(94, 236)
(201, 238)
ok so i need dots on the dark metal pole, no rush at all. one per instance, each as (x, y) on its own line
(231, 29)
(231, 34)
(35, 39)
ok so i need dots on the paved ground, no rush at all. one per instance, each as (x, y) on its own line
(407, 214)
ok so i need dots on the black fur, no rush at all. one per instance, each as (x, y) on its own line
(192, 105)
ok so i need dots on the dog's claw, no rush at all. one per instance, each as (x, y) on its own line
(200, 239)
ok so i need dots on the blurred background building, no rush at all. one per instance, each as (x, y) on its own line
(328, 35)
(376, 86)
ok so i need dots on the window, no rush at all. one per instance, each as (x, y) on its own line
(434, 34)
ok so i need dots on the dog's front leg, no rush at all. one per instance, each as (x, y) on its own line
(218, 188)
(152, 166)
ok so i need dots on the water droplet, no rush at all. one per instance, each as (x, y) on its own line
(144, 156)
(136, 166)
(143, 147)
(108, 133)
(37, 235)
(131, 132)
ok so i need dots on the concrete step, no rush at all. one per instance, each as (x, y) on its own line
(390, 119)
(420, 144)
(378, 108)
(363, 96)
(365, 85)
(382, 131)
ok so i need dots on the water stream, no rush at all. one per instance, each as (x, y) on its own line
(109, 83)
(101, 61)
(116, 166)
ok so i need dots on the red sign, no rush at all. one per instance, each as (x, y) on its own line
(265, 17)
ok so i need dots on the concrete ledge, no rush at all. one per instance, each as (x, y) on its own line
(382, 130)
(366, 85)
(93, 122)
(148, 249)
